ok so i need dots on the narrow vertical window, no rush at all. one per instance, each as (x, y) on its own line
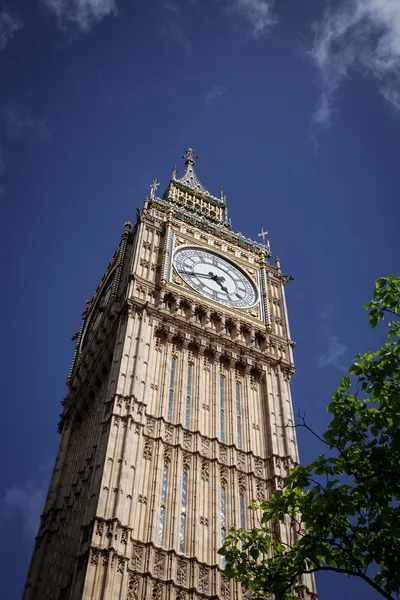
(171, 388)
(241, 508)
(223, 521)
(183, 514)
(238, 416)
(188, 395)
(163, 503)
(221, 404)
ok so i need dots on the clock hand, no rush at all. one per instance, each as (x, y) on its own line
(218, 280)
(196, 274)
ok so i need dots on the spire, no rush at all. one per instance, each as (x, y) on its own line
(189, 177)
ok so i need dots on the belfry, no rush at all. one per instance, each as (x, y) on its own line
(178, 397)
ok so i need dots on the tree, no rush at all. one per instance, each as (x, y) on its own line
(343, 507)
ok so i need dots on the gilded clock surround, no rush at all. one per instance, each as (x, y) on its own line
(127, 423)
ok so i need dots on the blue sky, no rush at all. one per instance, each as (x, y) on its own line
(293, 107)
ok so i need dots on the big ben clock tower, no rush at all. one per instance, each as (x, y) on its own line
(174, 420)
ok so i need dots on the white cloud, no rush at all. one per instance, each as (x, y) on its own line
(81, 13)
(215, 92)
(334, 349)
(26, 502)
(334, 355)
(362, 36)
(9, 25)
(19, 123)
(259, 14)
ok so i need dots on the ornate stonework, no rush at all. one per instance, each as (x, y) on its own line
(175, 415)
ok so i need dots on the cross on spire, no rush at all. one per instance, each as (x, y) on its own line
(190, 157)
(263, 234)
(153, 188)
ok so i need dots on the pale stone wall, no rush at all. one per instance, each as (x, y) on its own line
(106, 546)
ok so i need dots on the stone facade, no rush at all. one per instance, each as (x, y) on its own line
(145, 485)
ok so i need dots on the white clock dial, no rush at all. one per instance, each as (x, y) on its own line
(215, 277)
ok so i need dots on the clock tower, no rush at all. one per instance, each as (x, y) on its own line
(178, 397)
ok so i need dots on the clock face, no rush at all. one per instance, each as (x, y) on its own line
(214, 277)
(98, 310)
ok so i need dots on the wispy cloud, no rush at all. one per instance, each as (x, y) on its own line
(171, 6)
(357, 35)
(9, 25)
(258, 13)
(80, 13)
(171, 30)
(19, 123)
(334, 352)
(215, 92)
(26, 502)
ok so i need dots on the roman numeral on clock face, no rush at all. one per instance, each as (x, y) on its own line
(215, 277)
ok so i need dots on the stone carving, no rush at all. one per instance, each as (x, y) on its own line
(94, 559)
(205, 445)
(148, 450)
(240, 460)
(256, 427)
(242, 482)
(186, 461)
(120, 565)
(205, 470)
(157, 591)
(167, 455)
(180, 596)
(133, 588)
(150, 426)
(225, 589)
(204, 521)
(124, 536)
(142, 499)
(159, 562)
(137, 556)
(99, 528)
(223, 455)
(181, 572)
(168, 433)
(203, 580)
(260, 491)
(187, 441)
(224, 476)
(144, 263)
(205, 406)
(258, 467)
